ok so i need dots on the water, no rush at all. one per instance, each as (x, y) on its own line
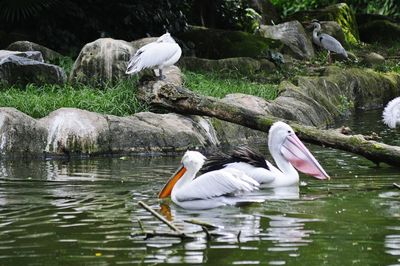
(85, 212)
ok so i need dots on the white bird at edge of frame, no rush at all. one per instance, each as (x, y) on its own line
(288, 152)
(162, 53)
(210, 190)
(391, 113)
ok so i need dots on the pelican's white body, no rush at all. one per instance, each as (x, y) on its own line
(157, 55)
(211, 189)
(391, 114)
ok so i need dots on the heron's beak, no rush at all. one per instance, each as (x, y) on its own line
(166, 190)
(301, 158)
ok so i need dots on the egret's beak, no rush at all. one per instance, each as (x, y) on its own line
(166, 190)
(301, 158)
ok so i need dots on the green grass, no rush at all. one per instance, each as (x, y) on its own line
(216, 85)
(38, 101)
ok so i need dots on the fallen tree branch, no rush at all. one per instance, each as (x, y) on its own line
(201, 223)
(149, 234)
(396, 185)
(159, 217)
(181, 100)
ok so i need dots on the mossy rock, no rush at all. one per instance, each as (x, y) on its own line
(217, 44)
(341, 13)
(383, 31)
(243, 65)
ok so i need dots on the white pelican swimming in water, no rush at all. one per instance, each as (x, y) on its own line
(391, 114)
(210, 190)
(160, 54)
(286, 149)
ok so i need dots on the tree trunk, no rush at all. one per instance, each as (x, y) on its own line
(181, 100)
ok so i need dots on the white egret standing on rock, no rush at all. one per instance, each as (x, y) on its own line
(162, 53)
(286, 149)
(210, 190)
(391, 113)
(326, 41)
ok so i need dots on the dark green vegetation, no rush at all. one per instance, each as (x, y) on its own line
(38, 101)
(382, 7)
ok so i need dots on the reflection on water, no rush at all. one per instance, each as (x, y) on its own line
(86, 212)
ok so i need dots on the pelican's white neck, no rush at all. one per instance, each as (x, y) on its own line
(283, 164)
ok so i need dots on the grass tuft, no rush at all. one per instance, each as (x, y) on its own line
(216, 85)
(38, 101)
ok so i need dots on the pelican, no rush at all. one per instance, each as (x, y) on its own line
(288, 152)
(206, 191)
(391, 113)
(160, 54)
(326, 41)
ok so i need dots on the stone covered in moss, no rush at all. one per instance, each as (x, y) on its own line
(48, 55)
(217, 44)
(243, 65)
(382, 31)
(341, 13)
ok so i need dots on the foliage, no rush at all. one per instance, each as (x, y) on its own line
(382, 7)
(39, 101)
(217, 85)
(19, 10)
(67, 25)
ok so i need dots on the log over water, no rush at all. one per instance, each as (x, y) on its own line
(164, 95)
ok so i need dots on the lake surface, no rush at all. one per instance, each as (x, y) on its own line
(85, 212)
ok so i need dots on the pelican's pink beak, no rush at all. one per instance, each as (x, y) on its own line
(301, 158)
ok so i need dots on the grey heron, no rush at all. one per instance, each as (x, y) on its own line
(326, 41)
(160, 54)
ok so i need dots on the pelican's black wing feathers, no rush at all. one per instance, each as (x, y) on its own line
(240, 154)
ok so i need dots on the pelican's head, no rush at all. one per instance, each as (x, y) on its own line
(166, 38)
(192, 161)
(282, 140)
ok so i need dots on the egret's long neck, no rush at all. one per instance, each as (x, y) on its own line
(284, 165)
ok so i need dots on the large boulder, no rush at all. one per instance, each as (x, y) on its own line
(23, 70)
(72, 130)
(48, 55)
(381, 30)
(217, 44)
(102, 61)
(243, 65)
(159, 133)
(20, 134)
(292, 34)
(34, 55)
(75, 132)
(341, 13)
